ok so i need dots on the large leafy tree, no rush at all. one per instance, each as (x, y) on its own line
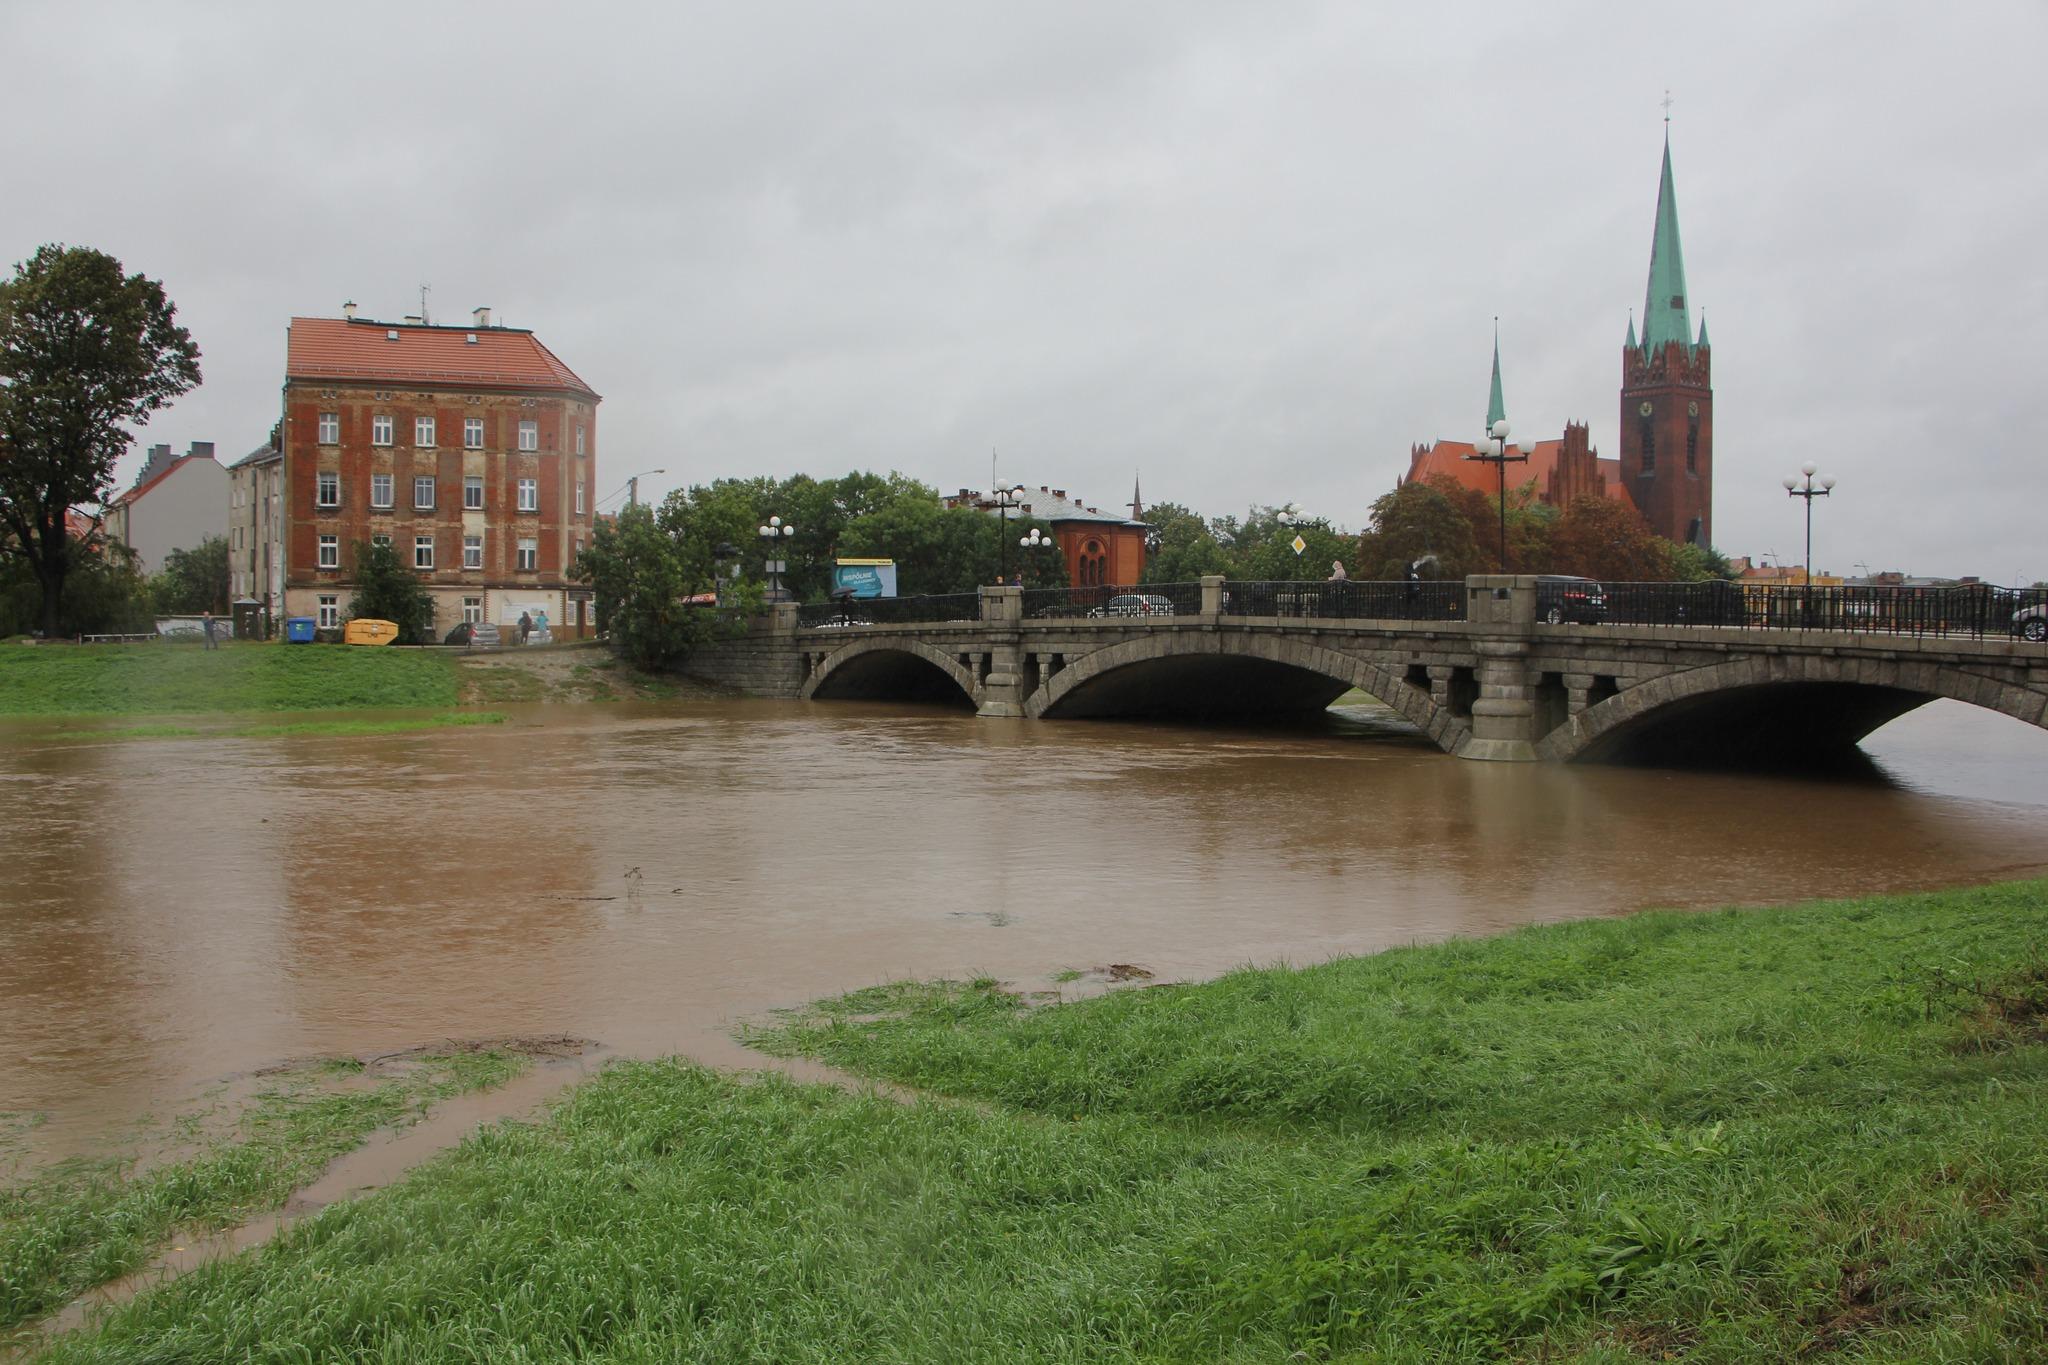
(194, 580)
(86, 351)
(388, 590)
(642, 575)
(1425, 522)
(1184, 547)
(1603, 538)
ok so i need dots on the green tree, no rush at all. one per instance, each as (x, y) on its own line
(1700, 563)
(103, 592)
(85, 351)
(194, 580)
(388, 590)
(1184, 547)
(1427, 522)
(1602, 538)
(640, 576)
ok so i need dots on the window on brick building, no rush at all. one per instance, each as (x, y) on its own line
(330, 612)
(529, 495)
(327, 488)
(579, 497)
(472, 552)
(380, 431)
(579, 438)
(423, 431)
(529, 436)
(473, 433)
(330, 428)
(423, 552)
(423, 493)
(473, 610)
(1692, 446)
(380, 490)
(383, 540)
(1649, 433)
(473, 491)
(529, 554)
(330, 552)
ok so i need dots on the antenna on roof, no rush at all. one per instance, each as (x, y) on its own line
(425, 289)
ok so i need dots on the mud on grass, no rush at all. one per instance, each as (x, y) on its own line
(583, 672)
(67, 1228)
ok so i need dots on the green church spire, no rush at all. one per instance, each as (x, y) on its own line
(1703, 330)
(1665, 314)
(1631, 343)
(1496, 407)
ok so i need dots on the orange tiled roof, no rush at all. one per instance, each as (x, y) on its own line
(499, 358)
(1447, 458)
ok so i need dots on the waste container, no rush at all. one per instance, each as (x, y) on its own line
(298, 630)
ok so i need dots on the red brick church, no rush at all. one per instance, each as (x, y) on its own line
(1666, 469)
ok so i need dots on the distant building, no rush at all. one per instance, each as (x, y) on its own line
(256, 526)
(1099, 547)
(175, 502)
(1666, 466)
(471, 450)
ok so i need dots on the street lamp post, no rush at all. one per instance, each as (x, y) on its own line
(1492, 448)
(1006, 498)
(773, 532)
(1804, 488)
(724, 564)
(633, 485)
(1035, 541)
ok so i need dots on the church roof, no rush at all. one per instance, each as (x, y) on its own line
(1666, 316)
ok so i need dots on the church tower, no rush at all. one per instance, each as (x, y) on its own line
(1667, 394)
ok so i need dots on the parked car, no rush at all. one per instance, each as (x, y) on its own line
(1136, 604)
(473, 635)
(1561, 598)
(2031, 623)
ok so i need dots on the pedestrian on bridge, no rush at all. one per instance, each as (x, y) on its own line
(1337, 574)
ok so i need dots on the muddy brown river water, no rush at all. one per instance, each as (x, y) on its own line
(177, 912)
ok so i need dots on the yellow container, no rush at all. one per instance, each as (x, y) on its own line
(369, 631)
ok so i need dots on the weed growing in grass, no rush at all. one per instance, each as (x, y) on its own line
(86, 1222)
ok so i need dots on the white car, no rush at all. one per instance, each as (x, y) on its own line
(2031, 623)
(1136, 604)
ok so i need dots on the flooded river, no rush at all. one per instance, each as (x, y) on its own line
(175, 912)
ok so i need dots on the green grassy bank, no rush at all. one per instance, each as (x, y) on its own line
(1818, 1133)
(176, 679)
(87, 1222)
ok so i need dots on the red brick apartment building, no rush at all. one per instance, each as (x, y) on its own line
(472, 450)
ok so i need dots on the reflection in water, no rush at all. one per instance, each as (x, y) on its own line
(179, 911)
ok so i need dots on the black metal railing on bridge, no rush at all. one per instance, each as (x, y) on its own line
(1347, 600)
(891, 611)
(1104, 602)
(1962, 609)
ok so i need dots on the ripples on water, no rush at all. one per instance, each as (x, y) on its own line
(178, 911)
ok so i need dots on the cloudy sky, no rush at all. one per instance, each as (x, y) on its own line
(1250, 250)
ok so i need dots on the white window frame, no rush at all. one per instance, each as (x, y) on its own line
(529, 435)
(579, 438)
(472, 433)
(423, 432)
(330, 611)
(423, 552)
(327, 488)
(529, 495)
(380, 497)
(380, 429)
(472, 552)
(330, 428)
(579, 497)
(473, 610)
(330, 552)
(473, 492)
(381, 538)
(423, 483)
(529, 553)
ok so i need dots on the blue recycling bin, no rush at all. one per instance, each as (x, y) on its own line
(298, 630)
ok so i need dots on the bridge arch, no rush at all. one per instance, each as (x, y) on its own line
(1178, 673)
(894, 668)
(1770, 708)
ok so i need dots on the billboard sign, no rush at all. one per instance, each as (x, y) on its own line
(865, 577)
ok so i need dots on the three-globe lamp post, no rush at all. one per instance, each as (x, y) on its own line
(1805, 488)
(1492, 448)
(771, 534)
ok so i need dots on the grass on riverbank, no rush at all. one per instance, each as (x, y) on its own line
(1816, 1133)
(277, 730)
(172, 679)
(84, 1223)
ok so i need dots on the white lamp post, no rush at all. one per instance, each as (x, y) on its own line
(773, 532)
(1492, 448)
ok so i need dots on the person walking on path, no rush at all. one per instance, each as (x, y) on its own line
(525, 626)
(207, 623)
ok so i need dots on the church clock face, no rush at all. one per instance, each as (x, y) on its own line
(1692, 409)
(1647, 408)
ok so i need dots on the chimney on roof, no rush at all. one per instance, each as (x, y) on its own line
(348, 310)
(480, 316)
(1059, 492)
(201, 449)
(413, 319)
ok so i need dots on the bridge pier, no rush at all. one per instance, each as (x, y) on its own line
(1003, 690)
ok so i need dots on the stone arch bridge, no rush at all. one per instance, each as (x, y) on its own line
(1492, 682)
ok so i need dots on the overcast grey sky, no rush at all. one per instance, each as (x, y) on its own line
(1251, 250)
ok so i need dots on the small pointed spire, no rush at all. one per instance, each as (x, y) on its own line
(1632, 329)
(1137, 503)
(1702, 344)
(1496, 408)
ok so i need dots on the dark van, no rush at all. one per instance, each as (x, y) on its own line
(1561, 598)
